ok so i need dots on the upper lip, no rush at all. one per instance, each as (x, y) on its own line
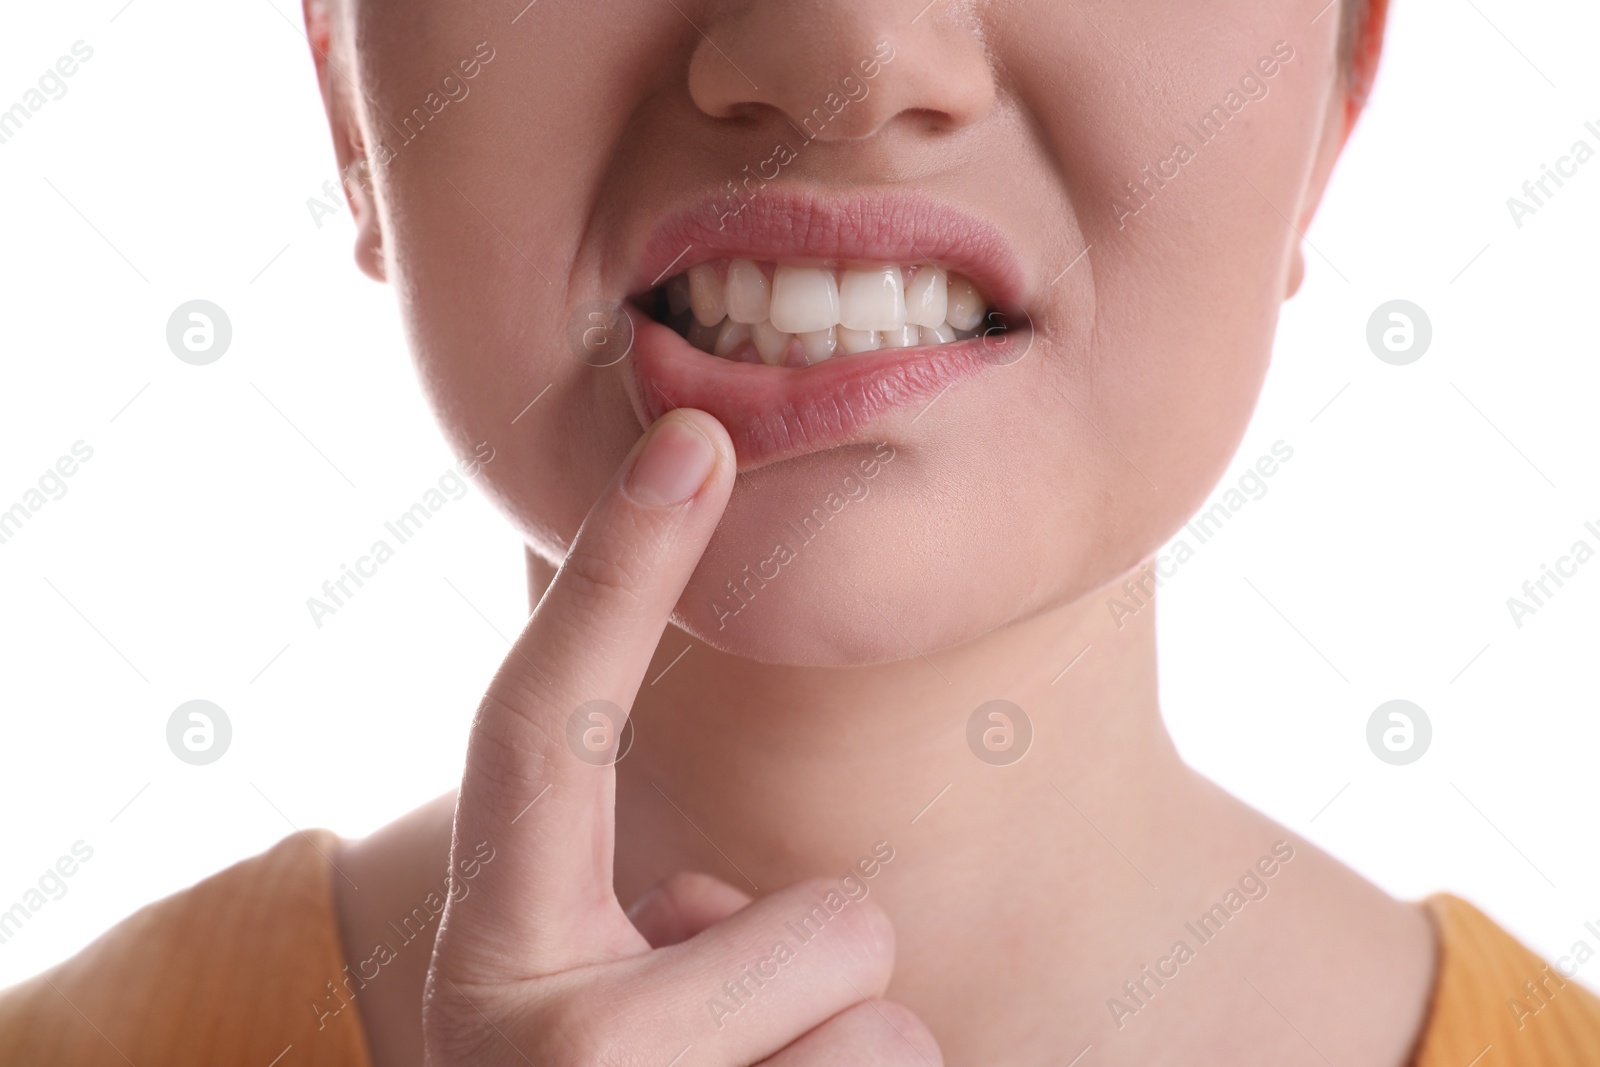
(797, 225)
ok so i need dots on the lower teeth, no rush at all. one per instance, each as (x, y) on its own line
(760, 343)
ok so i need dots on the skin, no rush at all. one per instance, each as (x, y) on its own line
(782, 747)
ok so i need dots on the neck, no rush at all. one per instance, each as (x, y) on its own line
(764, 775)
(793, 771)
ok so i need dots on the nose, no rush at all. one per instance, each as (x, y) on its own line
(840, 70)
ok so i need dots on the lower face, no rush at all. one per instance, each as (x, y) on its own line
(984, 335)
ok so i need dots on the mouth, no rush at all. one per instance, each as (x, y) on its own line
(805, 326)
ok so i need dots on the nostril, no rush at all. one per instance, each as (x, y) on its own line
(840, 71)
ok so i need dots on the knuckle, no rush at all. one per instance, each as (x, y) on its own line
(512, 745)
(598, 579)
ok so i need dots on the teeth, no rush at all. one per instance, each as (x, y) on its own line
(804, 299)
(965, 305)
(872, 299)
(706, 295)
(927, 297)
(819, 344)
(907, 336)
(678, 294)
(771, 343)
(749, 294)
(796, 316)
(852, 342)
(731, 336)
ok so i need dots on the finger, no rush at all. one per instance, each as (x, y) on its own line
(682, 906)
(736, 993)
(874, 1033)
(535, 786)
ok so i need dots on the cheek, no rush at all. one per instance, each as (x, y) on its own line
(1171, 394)
(1189, 260)
(557, 426)
(489, 233)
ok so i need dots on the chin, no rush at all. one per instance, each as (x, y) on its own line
(819, 611)
(874, 582)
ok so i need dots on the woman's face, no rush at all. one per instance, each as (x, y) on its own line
(1125, 175)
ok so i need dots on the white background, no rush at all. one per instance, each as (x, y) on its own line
(219, 498)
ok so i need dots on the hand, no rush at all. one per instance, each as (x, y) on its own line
(537, 963)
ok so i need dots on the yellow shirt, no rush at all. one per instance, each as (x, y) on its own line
(246, 968)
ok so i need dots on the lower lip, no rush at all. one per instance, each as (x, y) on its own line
(776, 413)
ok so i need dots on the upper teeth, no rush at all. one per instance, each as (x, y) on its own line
(872, 299)
(796, 315)
(804, 299)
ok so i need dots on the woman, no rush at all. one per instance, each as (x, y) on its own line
(871, 346)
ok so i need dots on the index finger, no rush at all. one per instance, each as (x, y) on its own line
(542, 799)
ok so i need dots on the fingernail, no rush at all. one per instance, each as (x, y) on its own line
(675, 463)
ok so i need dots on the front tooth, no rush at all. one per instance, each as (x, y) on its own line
(872, 299)
(853, 341)
(818, 345)
(749, 294)
(927, 297)
(804, 299)
(772, 343)
(732, 335)
(907, 336)
(965, 305)
(941, 334)
(706, 295)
